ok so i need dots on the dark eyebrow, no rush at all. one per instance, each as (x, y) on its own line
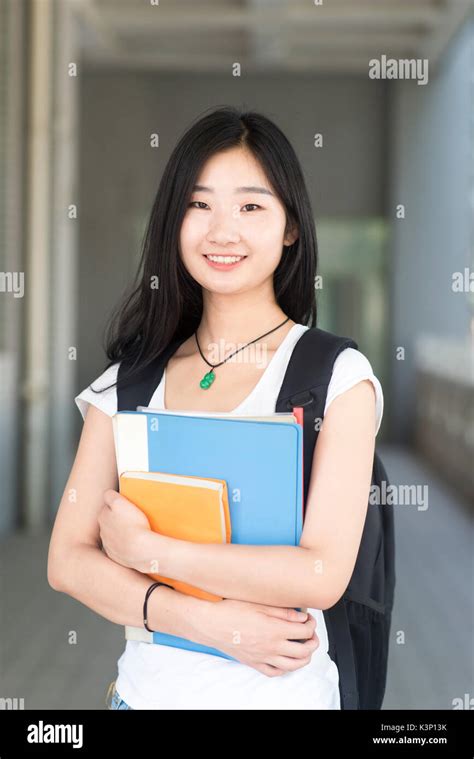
(261, 190)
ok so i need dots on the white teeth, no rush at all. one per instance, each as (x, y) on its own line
(224, 259)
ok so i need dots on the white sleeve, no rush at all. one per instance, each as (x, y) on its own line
(106, 401)
(351, 367)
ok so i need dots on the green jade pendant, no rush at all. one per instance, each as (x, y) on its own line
(207, 380)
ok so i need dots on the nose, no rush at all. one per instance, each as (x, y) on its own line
(223, 229)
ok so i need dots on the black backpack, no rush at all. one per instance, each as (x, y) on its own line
(358, 625)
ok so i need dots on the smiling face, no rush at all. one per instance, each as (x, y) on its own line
(233, 212)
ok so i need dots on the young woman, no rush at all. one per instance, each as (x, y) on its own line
(229, 258)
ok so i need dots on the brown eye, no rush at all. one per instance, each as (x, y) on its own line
(192, 204)
(251, 204)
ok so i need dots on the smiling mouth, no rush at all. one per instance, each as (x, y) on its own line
(224, 259)
(224, 263)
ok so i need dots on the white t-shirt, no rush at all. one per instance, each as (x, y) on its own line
(153, 676)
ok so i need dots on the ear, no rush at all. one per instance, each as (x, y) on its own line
(291, 236)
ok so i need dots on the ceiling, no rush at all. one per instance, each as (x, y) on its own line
(339, 36)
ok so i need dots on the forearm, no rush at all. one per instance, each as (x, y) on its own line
(272, 575)
(117, 593)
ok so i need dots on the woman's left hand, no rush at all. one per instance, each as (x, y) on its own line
(122, 529)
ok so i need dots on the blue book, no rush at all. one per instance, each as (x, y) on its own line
(261, 461)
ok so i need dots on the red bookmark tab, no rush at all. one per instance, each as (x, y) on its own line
(298, 412)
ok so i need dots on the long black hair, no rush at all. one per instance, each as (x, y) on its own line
(165, 303)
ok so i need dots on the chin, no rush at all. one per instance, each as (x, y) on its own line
(218, 281)
(224, 288)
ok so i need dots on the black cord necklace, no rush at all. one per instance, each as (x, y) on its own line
(209, 377)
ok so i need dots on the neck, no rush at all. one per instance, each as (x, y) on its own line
(239, 317)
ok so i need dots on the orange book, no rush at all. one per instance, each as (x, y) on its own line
(183, 507)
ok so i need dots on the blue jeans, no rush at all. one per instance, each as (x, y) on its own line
(113, 700)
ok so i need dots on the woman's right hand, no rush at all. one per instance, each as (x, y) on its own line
(259, 635)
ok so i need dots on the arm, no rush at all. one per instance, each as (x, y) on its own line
(78, 567)
(316, 573)
(120, 592)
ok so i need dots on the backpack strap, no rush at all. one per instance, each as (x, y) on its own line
(306, 384)
(138, 391)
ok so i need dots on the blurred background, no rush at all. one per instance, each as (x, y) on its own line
(83, 86)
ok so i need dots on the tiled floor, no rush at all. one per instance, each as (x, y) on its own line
(431, 657)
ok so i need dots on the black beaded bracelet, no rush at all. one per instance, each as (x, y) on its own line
(147, 595)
